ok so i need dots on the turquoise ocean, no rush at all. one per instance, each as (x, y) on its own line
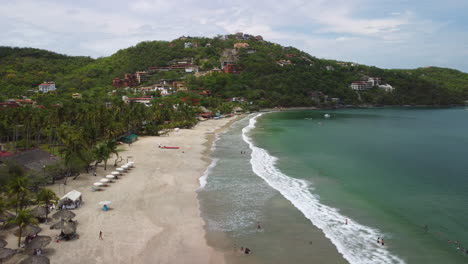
(325, 189)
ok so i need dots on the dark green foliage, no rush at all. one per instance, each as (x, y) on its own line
(261, 80)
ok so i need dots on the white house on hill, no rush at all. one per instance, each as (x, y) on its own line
(46, 87)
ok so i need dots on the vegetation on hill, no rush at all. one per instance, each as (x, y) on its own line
(261, 80)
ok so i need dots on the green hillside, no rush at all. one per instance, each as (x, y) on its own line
(261, 78)
(22, 69)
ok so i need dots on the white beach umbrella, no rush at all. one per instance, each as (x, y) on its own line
(125, 167)
(98, 184)
(104, 180)
(131, 163)
(119, 169)
(110, 176)
(105, 202)
(115, 173)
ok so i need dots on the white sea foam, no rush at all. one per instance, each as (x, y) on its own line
(204, 178)
(356, 242)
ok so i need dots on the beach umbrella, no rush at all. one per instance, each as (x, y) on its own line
(35, 260)
(3, 243)
(98, 184)
(58, 225)
(110, 176)
(64, 214)
(125, 167)
(115, 173)
(119, 169)
(105, 202)
(39, 242)
(69, 227)
(39, 211)
(5, 253)
(104, 180)
(28, 231)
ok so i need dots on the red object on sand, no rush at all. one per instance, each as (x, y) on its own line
(171, 147)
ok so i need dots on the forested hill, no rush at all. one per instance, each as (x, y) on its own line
(270, 74)
(22, 69)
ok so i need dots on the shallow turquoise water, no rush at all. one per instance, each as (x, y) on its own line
(397, 170)
(390, 172)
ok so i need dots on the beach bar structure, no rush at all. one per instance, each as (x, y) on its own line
(70, 200)
(129, 138)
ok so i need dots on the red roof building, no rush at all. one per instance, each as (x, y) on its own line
(5, 154)
(231, 68)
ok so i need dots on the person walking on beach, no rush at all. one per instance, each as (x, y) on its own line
(382, 242)
(346, 221)
(100, 235)
(259, 227)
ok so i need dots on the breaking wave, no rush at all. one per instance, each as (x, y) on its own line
(356, 242)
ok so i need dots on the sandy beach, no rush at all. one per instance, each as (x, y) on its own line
(154, 216)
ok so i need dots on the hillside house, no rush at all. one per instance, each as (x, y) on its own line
(237, 99)
(386, 87)
(318, 97)
(76, 96)
(9, 105)
(366, 85)
(283, 62)
(129, 80)
(146, 100)
(179, 86)
(231, 69)
(241, 45)
(361, 86)
(205, 93)
(141, 76)
(163, 89)
(46, 87)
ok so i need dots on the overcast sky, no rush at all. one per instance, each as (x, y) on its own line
(384, 33)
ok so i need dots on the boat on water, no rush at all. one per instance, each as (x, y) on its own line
(326, 115)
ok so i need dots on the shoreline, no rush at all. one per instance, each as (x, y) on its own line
(155, 214)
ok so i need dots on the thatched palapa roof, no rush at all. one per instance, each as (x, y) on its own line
(64, 214)
(35, 260)
(3, 243)
(39, 242)
(39, 211)
(28, 230)
(6, 253)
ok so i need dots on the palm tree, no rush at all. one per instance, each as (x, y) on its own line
(23, 218)
(104, 149)
(18, 188)
(101, 152)
(44, 197)
(113, 148)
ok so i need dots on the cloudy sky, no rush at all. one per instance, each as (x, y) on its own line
(384, 33)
